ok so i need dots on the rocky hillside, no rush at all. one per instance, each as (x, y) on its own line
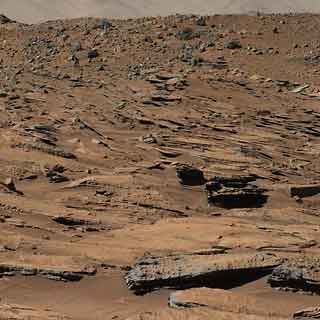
(141, 157)
(35, 11)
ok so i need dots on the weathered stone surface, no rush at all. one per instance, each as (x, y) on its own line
(297, 275)
(56, 268)
(309, 313)
(193, 270)
(19, 312)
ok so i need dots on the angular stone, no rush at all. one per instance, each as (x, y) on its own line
(198, 270)
(233, 44)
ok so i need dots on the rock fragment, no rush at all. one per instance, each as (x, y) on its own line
(233, 44)
(4, 19)
(104, 24)
(92, 54)
(55, 174)
(185, 34)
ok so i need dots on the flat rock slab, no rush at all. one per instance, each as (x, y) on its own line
(225, 301)
(194, 270)
(200, 314)
(301, 274)
(18, 312)
(54, 268)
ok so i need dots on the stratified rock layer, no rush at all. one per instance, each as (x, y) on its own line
(187, 271)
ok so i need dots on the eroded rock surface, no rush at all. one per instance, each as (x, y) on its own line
(300, 274)
(96, 117)
(309, 313)
(19, 312)
(187, 271)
